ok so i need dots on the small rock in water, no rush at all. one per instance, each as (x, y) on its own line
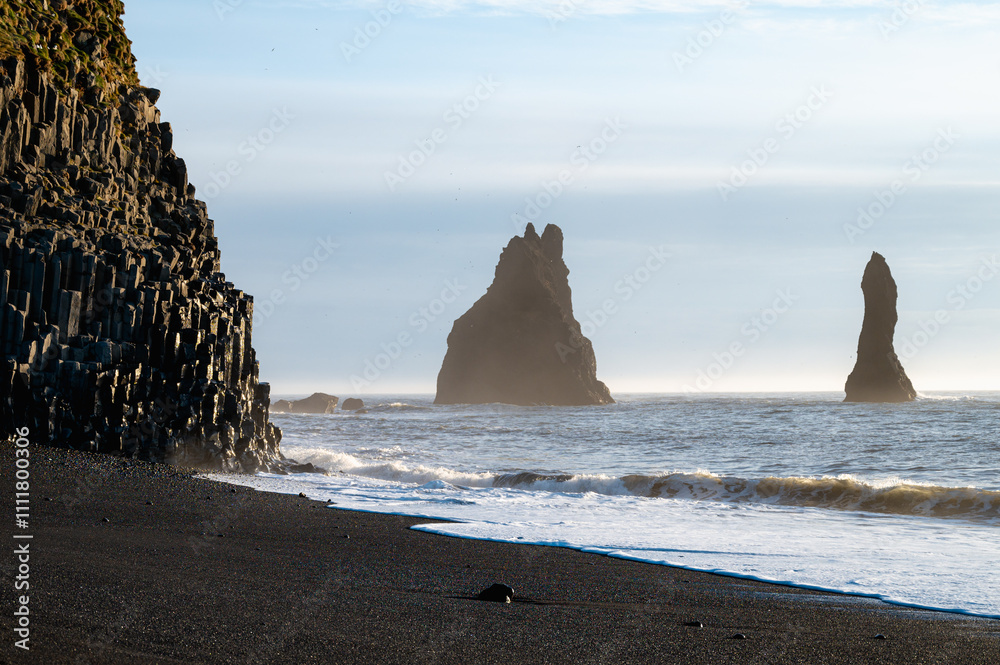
(352, 404)
(739, 636)
(302, 494)
(308, 467)
(498, 593)
(315, 403)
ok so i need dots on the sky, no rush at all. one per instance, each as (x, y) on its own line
(721, 171)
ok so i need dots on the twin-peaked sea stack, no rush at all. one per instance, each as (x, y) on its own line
(878, 375)
(519, 343)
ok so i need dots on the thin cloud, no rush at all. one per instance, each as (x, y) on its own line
(617, 7)
(948, 13)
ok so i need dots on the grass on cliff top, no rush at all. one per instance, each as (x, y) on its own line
(72, 40)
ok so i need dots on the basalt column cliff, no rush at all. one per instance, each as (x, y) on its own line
(878, 375)
(519, 343)
(118, 333)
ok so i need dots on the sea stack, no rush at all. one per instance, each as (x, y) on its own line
(519, 343)
(878, 375)
(118, 332)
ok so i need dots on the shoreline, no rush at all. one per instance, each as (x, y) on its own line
(193, 570)
(422, 520)
(847, 595)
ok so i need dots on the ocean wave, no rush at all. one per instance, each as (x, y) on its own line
(890, 496)
(399, 406)
(946, 398)
(391, 470)
(894, 497)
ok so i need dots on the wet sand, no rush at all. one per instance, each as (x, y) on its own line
(139, 563)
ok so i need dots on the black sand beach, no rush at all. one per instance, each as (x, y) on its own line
(139, 563)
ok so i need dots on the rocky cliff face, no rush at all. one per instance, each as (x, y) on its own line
(118, 333)
(878, 375)
(519, 343)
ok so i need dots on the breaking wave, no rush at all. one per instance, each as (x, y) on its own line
(891, 496)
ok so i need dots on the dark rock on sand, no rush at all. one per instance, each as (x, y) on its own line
(315, 403)
(498, 593)
(352, 404)
(519, 343)
(878, 375)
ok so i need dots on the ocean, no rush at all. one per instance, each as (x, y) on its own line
(899, 502)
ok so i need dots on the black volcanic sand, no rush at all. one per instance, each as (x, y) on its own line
(191, 571)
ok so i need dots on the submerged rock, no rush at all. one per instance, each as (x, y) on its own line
(519, 343)
(315, 403)
(878, 375)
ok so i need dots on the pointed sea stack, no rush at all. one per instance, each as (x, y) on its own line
(519, 343)
(878, 375)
